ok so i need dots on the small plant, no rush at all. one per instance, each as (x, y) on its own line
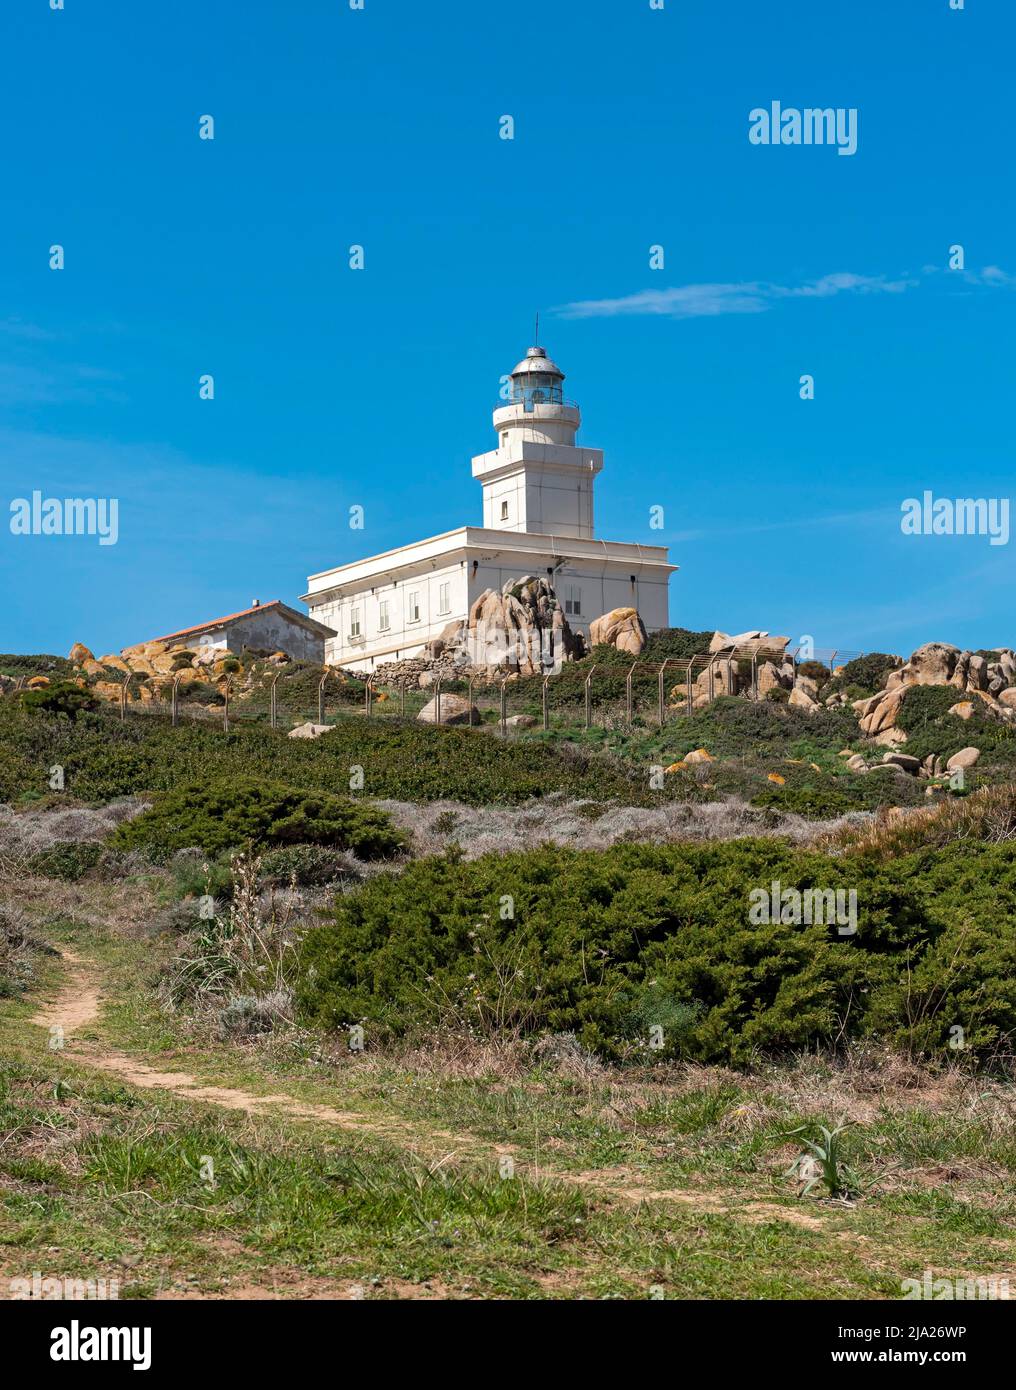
(245, 952)
(822, 1162)
(306, 866)
(69, 861)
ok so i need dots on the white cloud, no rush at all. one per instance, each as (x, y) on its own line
(749, 297)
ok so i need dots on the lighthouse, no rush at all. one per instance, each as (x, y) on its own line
(538, 480)
(537, 484)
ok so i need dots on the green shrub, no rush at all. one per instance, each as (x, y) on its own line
(42, 664)
(925, 706)
(819, 802)
(64, 698)
(69, 861)
(924, 717)
(866, 674)
(104, 757)
(676, 644)
(605, 944)
(228, 813)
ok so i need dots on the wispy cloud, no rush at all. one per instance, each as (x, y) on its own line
(758, 296)
(748, 297)
(990, 277)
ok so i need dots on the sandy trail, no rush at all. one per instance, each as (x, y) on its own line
(78, 1003)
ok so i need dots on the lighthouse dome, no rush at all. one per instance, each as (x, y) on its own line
(536, 362)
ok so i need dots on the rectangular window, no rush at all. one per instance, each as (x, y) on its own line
(383, 621)
(504, 511)
(354, 622)
(444, 602)
(573, 600)
(414, 608)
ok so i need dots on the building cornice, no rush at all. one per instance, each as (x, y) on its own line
(490, 544)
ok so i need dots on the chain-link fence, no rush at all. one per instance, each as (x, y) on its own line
(575, 696)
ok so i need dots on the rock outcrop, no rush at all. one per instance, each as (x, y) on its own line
(454, 710)
(522, 630)
(621, 628)
(747, 643)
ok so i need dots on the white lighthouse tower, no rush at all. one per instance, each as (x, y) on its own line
(537, 521)
(537, 479)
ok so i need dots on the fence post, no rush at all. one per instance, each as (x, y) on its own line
(589, 696)
(687, 703)
(402, 697)
(175, 701)
(321, 697)
(123, 695)
(437, 700)
(546, 705)
(368, 695)
(504, 707)
(469, 697)
(663, 717)
(274, 712)
(627, 691)
(225, 708)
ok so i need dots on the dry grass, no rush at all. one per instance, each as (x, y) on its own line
(19, 949)
(987, 816)
(564, 821)
(28, 832)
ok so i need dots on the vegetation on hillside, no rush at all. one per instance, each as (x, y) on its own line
(226, 813)
(608, 944)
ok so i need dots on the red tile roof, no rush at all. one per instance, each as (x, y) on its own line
(218, 622)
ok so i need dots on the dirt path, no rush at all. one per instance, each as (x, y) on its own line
(78, 1002)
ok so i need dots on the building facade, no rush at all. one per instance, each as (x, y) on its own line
(537, 520)
(264, 627)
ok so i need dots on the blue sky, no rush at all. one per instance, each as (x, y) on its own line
(336, 387)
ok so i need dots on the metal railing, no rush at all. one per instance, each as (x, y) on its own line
(530, 397)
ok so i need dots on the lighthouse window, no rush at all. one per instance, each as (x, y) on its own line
(383, 620)
(504, 511)
(573, 600)
(354, 622)
(414, 607)
(443, 598)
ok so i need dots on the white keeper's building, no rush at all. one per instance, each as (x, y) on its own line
(537, 520)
